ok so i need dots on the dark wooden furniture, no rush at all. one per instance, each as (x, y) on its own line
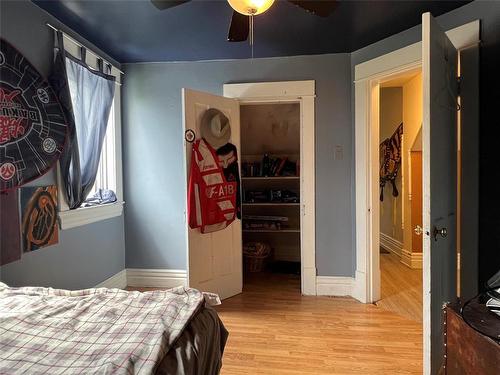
(467, 350)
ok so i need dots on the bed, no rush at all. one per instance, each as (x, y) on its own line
(109, 331)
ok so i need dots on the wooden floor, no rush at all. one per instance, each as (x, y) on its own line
(401, 288)
(275, 330)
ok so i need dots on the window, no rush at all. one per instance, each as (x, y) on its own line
(109, 175)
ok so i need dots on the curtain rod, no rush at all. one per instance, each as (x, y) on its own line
(81, 45)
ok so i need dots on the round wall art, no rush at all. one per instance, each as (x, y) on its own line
(32, 123)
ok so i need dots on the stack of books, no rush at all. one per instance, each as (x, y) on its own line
(270, 167)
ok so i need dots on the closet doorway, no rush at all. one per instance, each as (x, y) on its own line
(215, 260)
(277, 155)
(400, 207)
(270, 185)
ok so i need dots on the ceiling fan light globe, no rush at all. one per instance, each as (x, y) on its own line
(250, 7)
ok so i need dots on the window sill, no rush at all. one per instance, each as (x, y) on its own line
(87, 215)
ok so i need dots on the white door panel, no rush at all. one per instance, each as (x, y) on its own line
(214, 259)
(439, 131)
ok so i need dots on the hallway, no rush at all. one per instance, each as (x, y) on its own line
(401, 288)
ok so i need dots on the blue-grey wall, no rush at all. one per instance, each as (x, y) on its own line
(153, 142)
(87, 255)
(153, 137)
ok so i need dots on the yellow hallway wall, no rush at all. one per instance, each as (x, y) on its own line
(412, 119)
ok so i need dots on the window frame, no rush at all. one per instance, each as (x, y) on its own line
(87, 215)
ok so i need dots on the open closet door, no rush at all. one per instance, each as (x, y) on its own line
(214, 259)
(439, 131)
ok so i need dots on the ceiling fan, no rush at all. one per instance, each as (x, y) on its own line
(239, 27)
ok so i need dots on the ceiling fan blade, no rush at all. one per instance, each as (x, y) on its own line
(317, 7)
(165, 4)
(239, 28)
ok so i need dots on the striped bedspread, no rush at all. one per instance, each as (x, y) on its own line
(92, 331)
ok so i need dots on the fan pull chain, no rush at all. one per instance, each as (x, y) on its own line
(251, 32)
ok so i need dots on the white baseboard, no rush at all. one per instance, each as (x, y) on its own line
(359, 291)
(161, 278)
(334, 285)
(156, 278)
(412, 260)
(391, 244)
(309, 281)
(118, 280)
(146, 278)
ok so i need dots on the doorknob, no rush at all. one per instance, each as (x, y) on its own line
(418, 230)
(443, 232)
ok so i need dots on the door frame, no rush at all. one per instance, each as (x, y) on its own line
(367, 77)
(302, 92)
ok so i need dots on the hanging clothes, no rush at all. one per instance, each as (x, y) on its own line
(390, 161)
(228, 161)
(213, 198)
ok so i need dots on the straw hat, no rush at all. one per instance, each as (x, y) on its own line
(215, 128)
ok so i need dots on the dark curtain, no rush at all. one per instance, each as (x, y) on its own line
(86, 96)
(10, 235)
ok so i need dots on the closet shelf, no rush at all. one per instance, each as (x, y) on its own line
(271, 178)
(271, 230)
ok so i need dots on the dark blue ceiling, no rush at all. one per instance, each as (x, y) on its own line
(135, 31)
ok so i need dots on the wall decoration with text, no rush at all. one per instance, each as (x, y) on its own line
(32, 124)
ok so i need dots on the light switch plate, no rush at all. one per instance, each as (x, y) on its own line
(339, 152)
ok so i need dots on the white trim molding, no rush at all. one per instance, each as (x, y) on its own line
(87, 215)
(391, 244)
(359, 287)
(412, 260)
(118, 281)
(146, 278)
(394, 62)
(403, 59)
(271, 90)
(156, 278)
(367, 77)
(340, 286)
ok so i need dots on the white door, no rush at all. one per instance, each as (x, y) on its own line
(439, 131)
(214, 259)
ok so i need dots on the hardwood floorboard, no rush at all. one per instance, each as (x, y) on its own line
(275, 330)
(401, 288)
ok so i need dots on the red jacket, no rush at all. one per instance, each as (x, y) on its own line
(212, 200)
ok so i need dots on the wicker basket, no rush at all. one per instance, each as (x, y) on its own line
(255, 255)
(254, 263)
